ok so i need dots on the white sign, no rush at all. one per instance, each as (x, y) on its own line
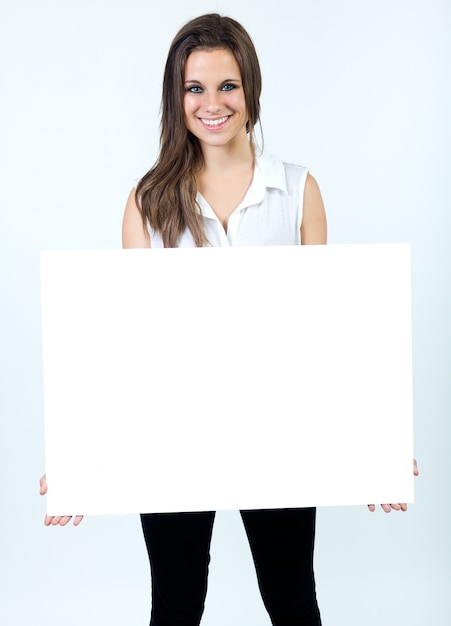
(227, 378)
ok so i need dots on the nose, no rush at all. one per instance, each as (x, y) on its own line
(213, 103)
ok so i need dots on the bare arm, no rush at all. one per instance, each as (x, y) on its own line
(314, 231)
(133, 233)
(133, 236)
(314, 225)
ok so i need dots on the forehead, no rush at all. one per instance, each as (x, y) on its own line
(219, 63)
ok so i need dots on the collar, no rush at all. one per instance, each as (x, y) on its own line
(273, 171)
(269, 172)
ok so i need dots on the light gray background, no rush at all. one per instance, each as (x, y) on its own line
(358, 91)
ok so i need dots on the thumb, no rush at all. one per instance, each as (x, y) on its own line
(43, 485)
(415, 468)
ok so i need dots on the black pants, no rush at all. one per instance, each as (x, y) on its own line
(281, 542)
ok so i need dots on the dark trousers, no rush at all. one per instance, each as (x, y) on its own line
(281, 542)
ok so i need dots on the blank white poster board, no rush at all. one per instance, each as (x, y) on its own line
(227, 378)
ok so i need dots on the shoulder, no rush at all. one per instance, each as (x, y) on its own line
(134, 233)
(278, 174)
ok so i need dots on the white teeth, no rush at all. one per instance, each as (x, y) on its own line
(221, 120)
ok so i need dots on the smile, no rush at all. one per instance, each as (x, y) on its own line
(216, 122)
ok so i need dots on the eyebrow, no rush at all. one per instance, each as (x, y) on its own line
(227, 80)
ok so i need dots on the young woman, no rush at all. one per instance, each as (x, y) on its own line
(209, 186)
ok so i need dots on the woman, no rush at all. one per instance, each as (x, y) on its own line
(209, 187)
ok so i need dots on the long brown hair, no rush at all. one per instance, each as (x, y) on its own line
(166, 195)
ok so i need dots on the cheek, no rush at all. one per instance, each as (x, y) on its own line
(190, 104)
(237, 102)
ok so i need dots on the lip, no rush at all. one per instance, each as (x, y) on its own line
(214, 127)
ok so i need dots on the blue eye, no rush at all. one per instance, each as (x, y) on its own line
(228, 87)
(195, 89)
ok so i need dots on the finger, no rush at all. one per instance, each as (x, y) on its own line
(65, 520)
(386, 508)
(403, 507)
(415, 468)
(77, 519)
(48, 520)
(395, 507)
(372, 508)
(43, 485)
(56, 520)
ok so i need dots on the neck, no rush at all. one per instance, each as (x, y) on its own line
(226, 158)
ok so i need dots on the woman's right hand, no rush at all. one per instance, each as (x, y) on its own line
(55, 520)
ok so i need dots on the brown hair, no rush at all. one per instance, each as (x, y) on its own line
(166, 195)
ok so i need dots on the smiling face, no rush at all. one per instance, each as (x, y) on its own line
(214, 101)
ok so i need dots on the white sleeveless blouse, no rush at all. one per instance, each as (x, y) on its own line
(269, 215)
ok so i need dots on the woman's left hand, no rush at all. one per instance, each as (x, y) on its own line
(60, 520)
(395, 507)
